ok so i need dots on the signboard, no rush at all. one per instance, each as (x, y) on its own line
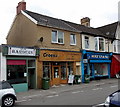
(21, 51)
(47, 55)
(97, 56)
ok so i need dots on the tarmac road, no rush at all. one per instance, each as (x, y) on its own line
(92, 93)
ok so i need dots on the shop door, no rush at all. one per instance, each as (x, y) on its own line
(56, 75)
(31, 78)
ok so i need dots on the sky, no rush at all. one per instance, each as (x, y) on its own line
(100, 12)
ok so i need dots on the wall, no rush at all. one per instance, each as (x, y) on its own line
(92, 43)
(23, 32)
(2, 67)
(26, 33)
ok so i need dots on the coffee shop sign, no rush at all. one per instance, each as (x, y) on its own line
(21, 51)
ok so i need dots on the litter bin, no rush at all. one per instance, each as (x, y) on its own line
(87, 78)
(45, 83)
(77, 79)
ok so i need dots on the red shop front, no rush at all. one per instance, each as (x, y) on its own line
(115, 65)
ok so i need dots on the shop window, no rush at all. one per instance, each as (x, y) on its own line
(63, 71)
(46, 69)
(86, 42)
(16, 74)
(101, 69)
(31, 63)
(72, 39)
(56, 72)
(70, 68)
(57, 37)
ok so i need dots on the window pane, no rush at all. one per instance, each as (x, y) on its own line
(60, 37)
(72, 39)
(54, 36)
(101, 44)
(118, 46)
(16, 74)
(96, 44)
(46, 71)
(114, 46)
(86, 42)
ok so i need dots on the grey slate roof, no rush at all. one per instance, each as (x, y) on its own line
(66, 25)
(109, 30)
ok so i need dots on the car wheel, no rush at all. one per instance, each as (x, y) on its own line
(117, 75)
(8, 101)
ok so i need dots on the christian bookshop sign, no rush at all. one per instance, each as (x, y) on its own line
(21, 51)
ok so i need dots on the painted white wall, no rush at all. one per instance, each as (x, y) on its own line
(92, 43)
(3, 69)
(0, 65)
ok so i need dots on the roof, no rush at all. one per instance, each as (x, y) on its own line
(109, 30)
(66, 25)
(50, 22)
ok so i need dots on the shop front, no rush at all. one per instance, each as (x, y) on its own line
(20, 67)
(58, 65)
(95, 64)
(115, 66)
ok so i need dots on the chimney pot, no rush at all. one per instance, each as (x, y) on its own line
(85, 21)
(21, 6)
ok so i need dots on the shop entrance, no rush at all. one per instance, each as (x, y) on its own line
(31, 78)
(56, 74)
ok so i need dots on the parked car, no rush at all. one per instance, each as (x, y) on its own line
(7, 94)
(117, 75)
(113, 100)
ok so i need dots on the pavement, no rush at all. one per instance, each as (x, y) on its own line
(55, 90)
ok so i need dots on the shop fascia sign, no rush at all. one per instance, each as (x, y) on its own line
(21, 51)
(97, 56)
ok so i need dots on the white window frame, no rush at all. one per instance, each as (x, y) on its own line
(57, 37)
(98, 43)
(74, 40)
(116, 44)
(88, 42)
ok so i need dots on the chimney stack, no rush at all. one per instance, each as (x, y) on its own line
(21, 6)
(85, 21)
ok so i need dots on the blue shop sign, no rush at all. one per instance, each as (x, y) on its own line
(98, 56)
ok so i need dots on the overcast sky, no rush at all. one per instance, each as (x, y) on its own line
(101, 12)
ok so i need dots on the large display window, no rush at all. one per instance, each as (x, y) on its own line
(16, 71)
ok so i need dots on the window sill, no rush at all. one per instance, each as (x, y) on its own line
(72, 44)
(58, 43)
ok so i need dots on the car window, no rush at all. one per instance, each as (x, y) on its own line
(6, 85)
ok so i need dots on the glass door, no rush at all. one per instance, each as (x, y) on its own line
(56, 75)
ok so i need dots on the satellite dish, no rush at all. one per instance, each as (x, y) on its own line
(41, 39)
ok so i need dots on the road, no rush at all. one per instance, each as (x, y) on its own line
(90, 94)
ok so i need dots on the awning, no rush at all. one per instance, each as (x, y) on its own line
(100, 61)
(117, 57)
(16, 62)
(115, 65)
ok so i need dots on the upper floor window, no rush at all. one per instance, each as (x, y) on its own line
(115, 46)
(99, 44)
(57, 37)
(86, 42)
(72, 39)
